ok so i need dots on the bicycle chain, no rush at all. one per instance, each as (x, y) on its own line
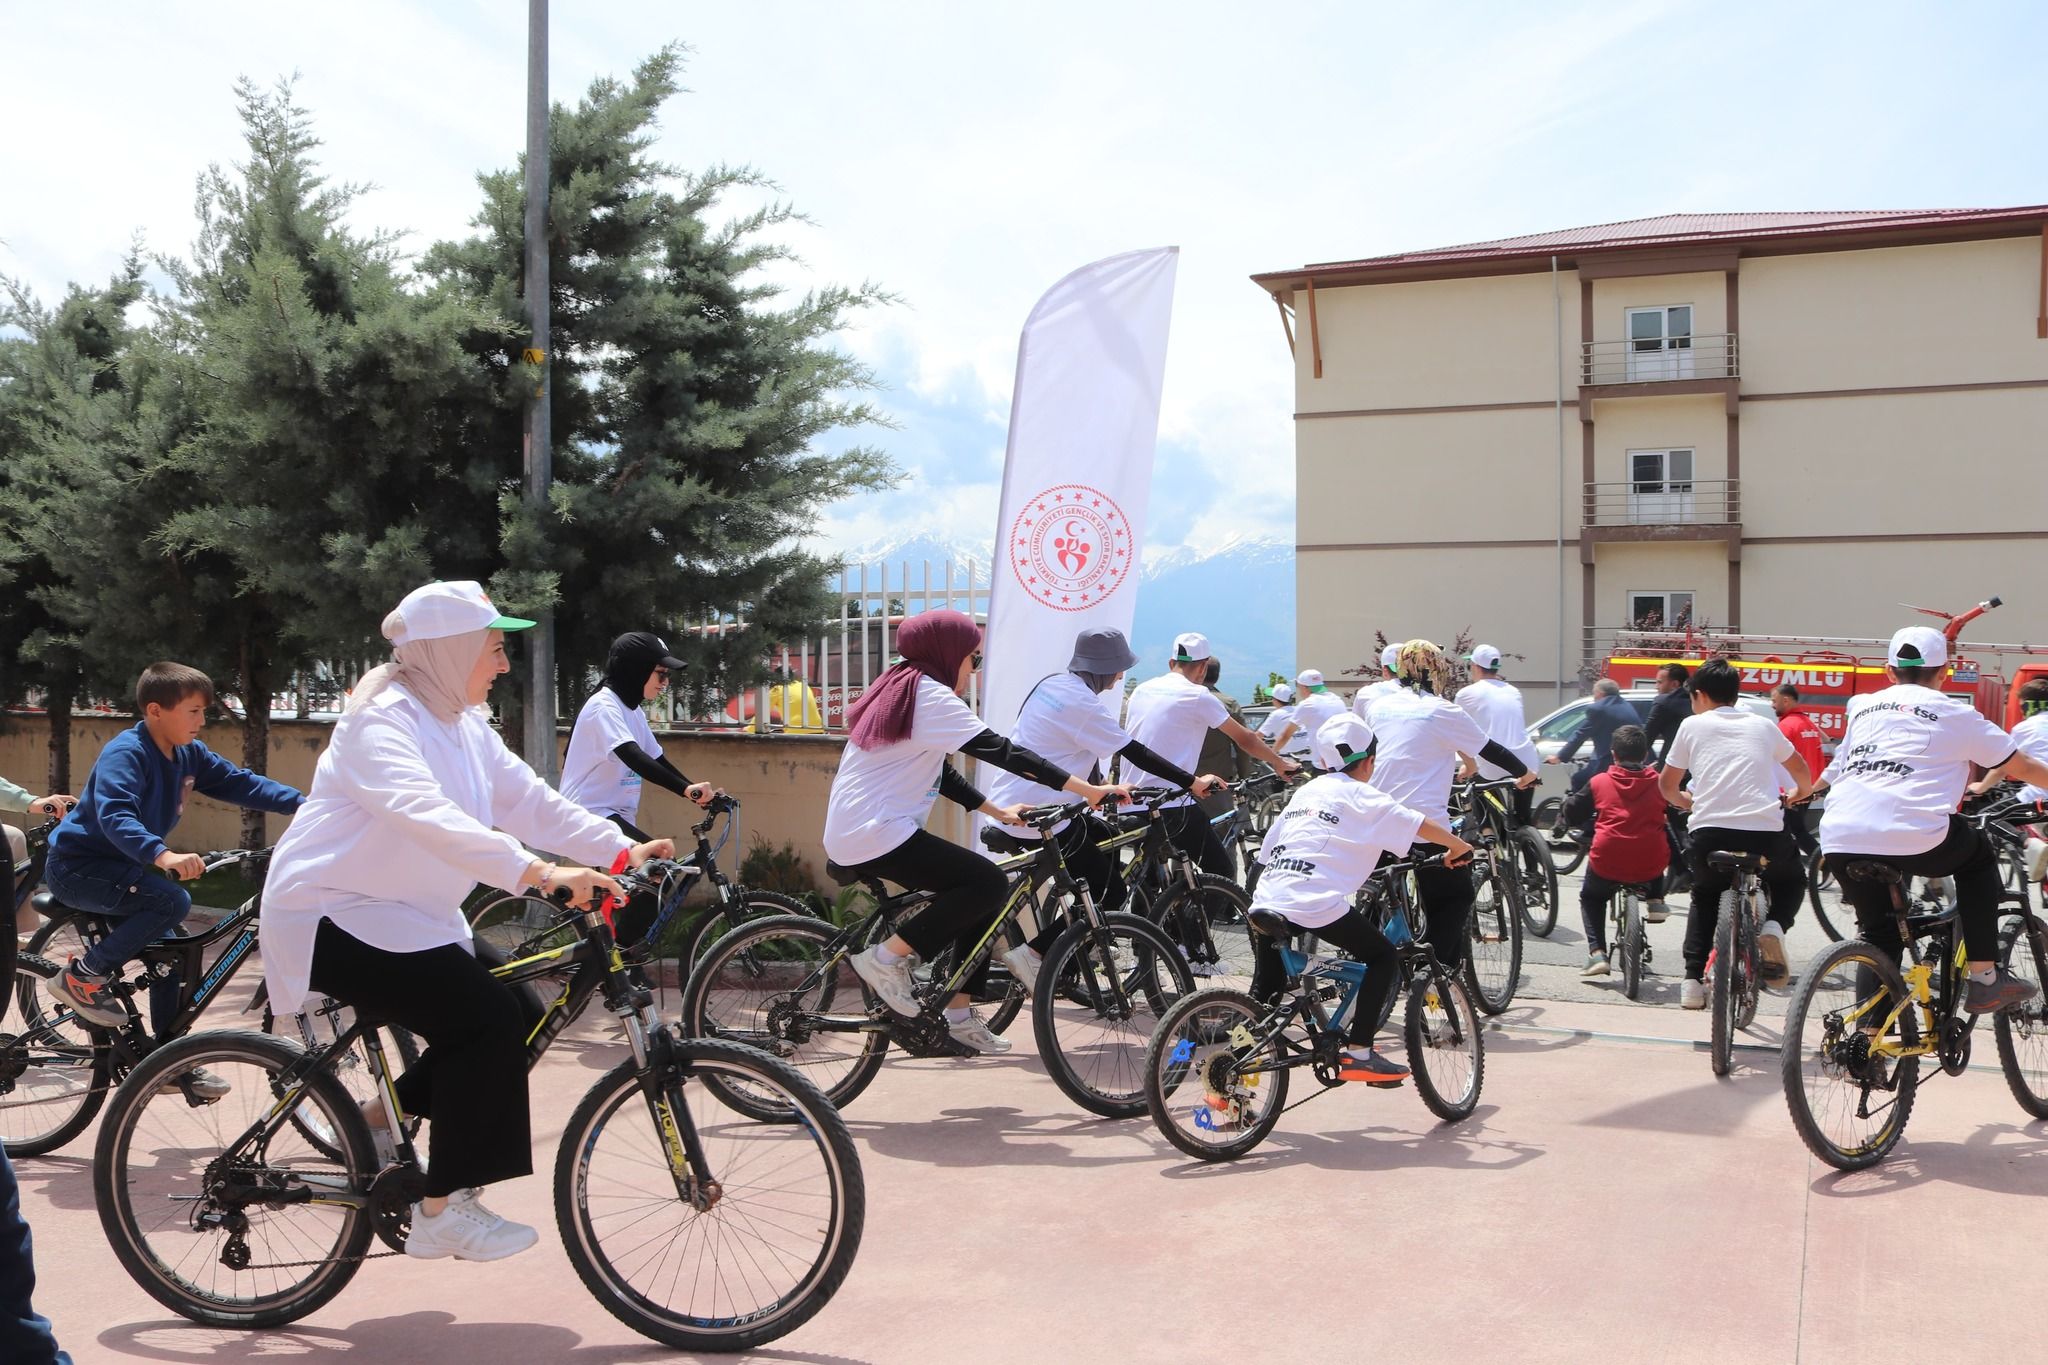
(324, 1260)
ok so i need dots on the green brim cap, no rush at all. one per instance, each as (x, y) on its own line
(512, 623)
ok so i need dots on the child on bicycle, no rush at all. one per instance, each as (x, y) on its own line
(1317, 855)
(105, 857)
(1627, 814)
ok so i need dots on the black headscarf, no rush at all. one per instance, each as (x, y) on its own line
(632, 661)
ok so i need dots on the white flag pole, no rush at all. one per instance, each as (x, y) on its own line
(1077, 472)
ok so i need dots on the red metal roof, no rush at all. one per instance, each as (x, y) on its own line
(1681, 229)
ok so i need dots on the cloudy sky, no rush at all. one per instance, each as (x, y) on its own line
(968, 155)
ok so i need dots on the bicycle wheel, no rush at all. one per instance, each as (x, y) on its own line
(1101, 993)
(721, 919)
(746, 1256)
(170, 1192)
(1829, 909)
(1721, 987)
(1630, 948)
(1493, 936)
(1749, 964)
(1446, 1051)
(1850, 1104)
(1566, 854)
(782, 984)
(1211, 921)
(2012, 860)
(2023, 1032)
(55, 1071)
(1195, 1085)
(1539, 881)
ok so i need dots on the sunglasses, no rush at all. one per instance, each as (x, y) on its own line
(976, 660)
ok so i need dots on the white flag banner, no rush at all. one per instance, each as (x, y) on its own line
(1077, 475)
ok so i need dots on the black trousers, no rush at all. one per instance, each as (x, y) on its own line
(1447, 896)
(1796, 826)
(1964, 854)
(471, 1080)
(633, 919)
(1594, 897)
(1784, 880)
(1359, 939)
(1189, 829)
(1093, 866)
(968, 892)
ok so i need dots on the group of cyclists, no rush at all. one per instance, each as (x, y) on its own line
(416, 799)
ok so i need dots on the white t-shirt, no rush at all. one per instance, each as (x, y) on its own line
(592, 775)
(1280, 719)
(1362, 704)
(1496, 706)
(1901, 767)
(1324, 846)
(1420, 737)
(1069, 727)
(881, 797)
(1313, 711)
(2030, 737)
(1171, 716)
(1734, 760)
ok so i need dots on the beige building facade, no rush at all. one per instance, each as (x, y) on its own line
(1776, 423)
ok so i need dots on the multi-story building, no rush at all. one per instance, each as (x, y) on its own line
(1776, 422)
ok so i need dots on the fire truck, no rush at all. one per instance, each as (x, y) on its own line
(1828, 671)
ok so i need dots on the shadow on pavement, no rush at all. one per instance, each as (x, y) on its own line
(410, 1337)
(66, 1181)
(1375, 1149)
(1715, 1108)
(1981, 1162)
(1000, 1136)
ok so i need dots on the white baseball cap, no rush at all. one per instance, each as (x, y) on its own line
(438, 610)
(1309, 678)
(1390, 657)
(1342, 740)
(1486, 656)
(1929, 648)
(1282, 693)
(1190, 648)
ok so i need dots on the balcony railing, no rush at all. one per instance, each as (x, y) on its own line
(1701, 502)
(1660, 362)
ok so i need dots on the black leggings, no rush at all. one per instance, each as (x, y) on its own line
(1358, 938)
(1964, 854)
(968, 892)
(633, 919)
(1091, 865)
(1784, 880)
(1447, 896)
(1189, 828)
(471, 1081)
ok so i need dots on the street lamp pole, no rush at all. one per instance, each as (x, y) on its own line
(540, 702)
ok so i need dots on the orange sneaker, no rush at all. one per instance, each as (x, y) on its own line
(1371, 1068)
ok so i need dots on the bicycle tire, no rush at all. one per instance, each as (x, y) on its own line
(1539, 876)
(1567, 856)
(57, 1037)
(1823, 893)
(2022, 1033)
(1224, 925)
(844, 1214)
(1198, 1021)
(117, 1187)
(1855, 958)
(1081, 961)
(718, 921)
(1633, 941)
(754, 959)
(1749, 965)
(1495, 919)
(1721, 990)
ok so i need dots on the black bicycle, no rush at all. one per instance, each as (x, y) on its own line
(1527, 853)
(1999, 814)
(786, 985)
(701, 1233)
(1202, 912)
(28, 875)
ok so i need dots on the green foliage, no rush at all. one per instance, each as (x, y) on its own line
(772, 867)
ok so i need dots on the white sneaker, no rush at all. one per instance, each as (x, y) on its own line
(198, 1083)
(1596, 967)
(1024, 962)
(1692, 995)
(1770, 946)
(972, 1032)
(467, 1231)
(1656, 912)
(890, 981)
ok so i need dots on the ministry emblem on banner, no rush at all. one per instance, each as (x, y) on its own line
(1070, 547)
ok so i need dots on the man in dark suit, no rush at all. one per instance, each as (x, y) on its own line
(1668, 712)
(1608, 713)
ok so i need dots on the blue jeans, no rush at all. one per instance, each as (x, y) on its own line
(25, 1339)
(145, 906)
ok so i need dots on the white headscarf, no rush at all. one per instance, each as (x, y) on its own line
(435, 671)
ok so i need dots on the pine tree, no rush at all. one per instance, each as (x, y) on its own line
(690, 398)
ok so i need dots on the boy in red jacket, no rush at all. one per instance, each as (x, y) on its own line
(1629, 846)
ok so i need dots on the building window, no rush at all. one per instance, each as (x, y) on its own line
(1660, 486)
(1659, 610)
(1660, 343)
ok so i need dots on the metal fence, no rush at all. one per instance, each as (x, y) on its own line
(1660, 360)
(1664, 502)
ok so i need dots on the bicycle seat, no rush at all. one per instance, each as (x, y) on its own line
(1745, 862)
(1641, 889)
(842, 876)
(1270, 924)
(999, 841)
(46, 903)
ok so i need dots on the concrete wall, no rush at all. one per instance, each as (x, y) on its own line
(782, 782)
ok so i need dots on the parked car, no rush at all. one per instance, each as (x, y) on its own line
(1555, 731)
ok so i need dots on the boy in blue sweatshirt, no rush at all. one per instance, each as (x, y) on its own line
(102, 856)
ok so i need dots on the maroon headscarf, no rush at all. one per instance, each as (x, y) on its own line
(933, 645)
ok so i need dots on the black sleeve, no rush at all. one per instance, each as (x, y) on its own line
(958, 789)
(1502, 758)
(990, 747)
(1154, 764)
(659, 771)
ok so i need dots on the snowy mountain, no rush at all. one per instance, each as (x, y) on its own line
(1239, 593)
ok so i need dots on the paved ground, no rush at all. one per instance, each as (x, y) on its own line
(1610, 1200)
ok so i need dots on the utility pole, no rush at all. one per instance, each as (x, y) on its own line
(540, 463)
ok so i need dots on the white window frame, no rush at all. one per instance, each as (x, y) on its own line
(1672, 356)
(1667, 498)
(1630, 617)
